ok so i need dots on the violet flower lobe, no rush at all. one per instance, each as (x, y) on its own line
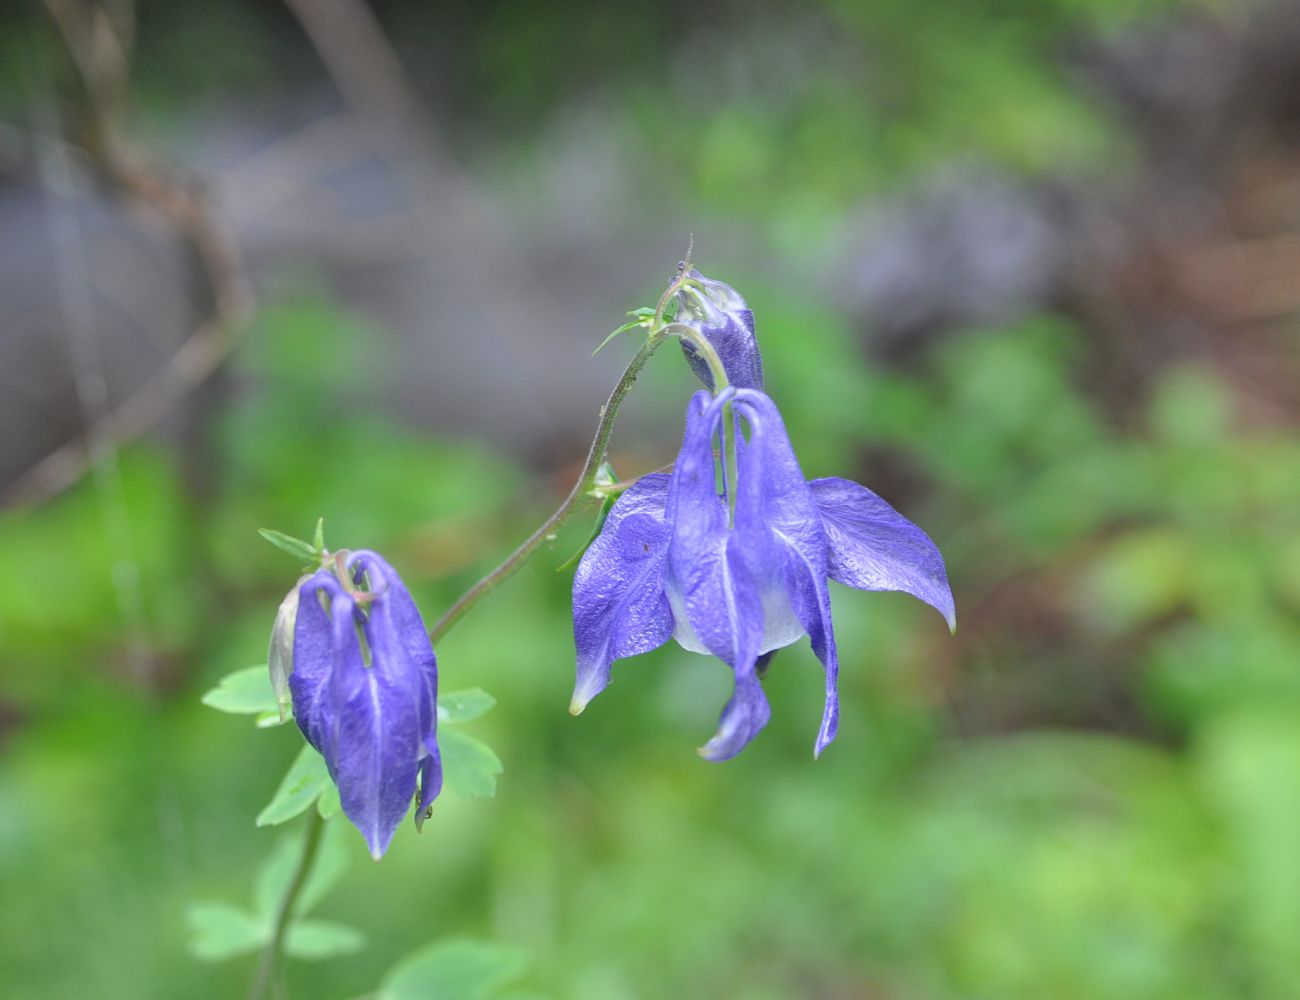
(740, 577)
(365, 693)
(723, 317)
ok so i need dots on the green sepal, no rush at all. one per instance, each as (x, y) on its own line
(304, 551)
(640, 317)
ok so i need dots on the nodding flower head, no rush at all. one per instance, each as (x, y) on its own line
(365, 689)
(720, 313)
(739, 577)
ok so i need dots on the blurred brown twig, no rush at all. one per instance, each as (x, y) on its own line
(98, 41)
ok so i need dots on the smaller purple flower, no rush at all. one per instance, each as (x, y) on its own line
(365, 693)
(677, 558)
(721, 314)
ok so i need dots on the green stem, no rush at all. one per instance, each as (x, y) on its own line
(581, 491)
(584, 488)
(720, 382)
(284, 912)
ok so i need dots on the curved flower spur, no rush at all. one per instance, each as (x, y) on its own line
(365, 688)
(739, 578)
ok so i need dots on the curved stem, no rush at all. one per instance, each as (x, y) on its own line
(584, 487)
(580, 492)
(270, 954)
(710, 355)
(704, 349)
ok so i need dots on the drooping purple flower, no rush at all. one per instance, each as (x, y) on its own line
(674, 559)
(720, 313)
(365, 693)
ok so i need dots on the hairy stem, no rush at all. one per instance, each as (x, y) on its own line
(284, 912)
(581, 491)
(584, 488)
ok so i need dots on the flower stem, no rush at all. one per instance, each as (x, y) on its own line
(584, 488)
(581, 491)
(284, 912)
(720, 382)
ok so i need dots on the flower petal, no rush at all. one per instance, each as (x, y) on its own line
(376, 732)
(399, 644)
(313, 657)
(790, 512)
(619, 605)
(720, 313)
(873, 547)
(718, 571)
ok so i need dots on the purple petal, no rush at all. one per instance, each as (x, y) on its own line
(717, 572)
(396, 624)
(720, 313)
(619, 605)
(790, 511)
(375, 724)
(746, 713)
(873, 547)
(376, 731)
(313, 656)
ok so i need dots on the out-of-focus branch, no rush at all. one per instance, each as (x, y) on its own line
(94, 38)
(443, 200)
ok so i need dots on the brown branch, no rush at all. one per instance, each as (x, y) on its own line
(186, 206)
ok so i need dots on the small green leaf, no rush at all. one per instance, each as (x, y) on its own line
(276, 871)
(318, 538)
(622, 329)
(269, 720)
(219, 931)
(296, 547)
(644, 312)
(459, 969)
(328, 805)
(306, 780)
(245, 692)
(470, 767)
(464, 706)
(313, 940)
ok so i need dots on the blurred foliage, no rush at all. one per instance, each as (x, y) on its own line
(931, 853)
(1092, 792)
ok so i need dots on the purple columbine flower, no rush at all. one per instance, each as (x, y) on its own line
(674, 560)
(365, 693)
(720, 313)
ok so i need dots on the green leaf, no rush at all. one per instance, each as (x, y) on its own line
(464, 706)
(469, 766)
(328, 804)
(306, 780)
(219, 931)
(274, 875)
(269, 720)
(458, 969)
(622, 329)
(318, 537)
(296, 547)
(313, 940)
(245, 692)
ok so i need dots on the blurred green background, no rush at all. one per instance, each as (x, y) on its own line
(1029, 270)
